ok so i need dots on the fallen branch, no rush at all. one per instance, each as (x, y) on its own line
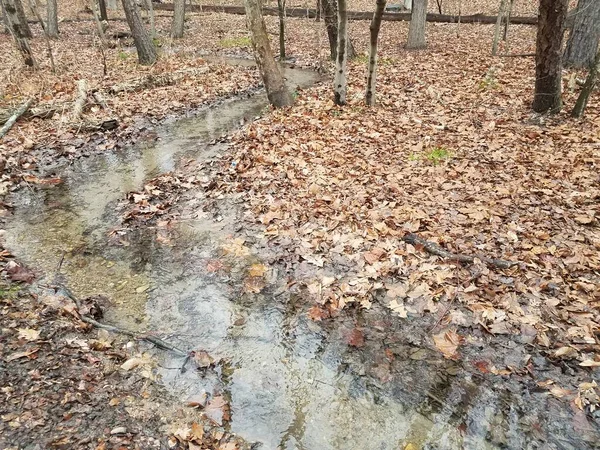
(13, 119)
(81, 99)
(435, 249)
(40, 112)
(518, 55)
(152, 81)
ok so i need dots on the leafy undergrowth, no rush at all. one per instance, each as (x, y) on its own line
(338, 188)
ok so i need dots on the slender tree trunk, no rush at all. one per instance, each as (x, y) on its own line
(588, 87)
(151, 18)
(416, 29)
(52, 21)
(548, 57)
(501, 12)
(178, 19)
(281, 10)
(439, 5)
(277, 92)
(103, 13)
(26, 31)
(318, 12)
(374, 29)
(583, 39)
(508, 14)
(5, 19)
(18, 33)
(143, 43)
(38, 16)
(111, 4)
(341, 61)
(330, 17)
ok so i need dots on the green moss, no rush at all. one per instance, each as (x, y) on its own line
(243, 41)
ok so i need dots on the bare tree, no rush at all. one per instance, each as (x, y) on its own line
(17, 30)
(103, 13)
(588, 87)
(52, 20)
(374, 31)
(330, 16)
(281, 10)
(151, 18)
(548, 57)
(500, 17)
(416, 29)
(583, 39)
(4, 19)
(341, 60)
(26, 31)
(38, 16)
(143, 43)
(178, 19)
(277, 92)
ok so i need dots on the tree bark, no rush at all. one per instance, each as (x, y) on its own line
(318, 11)
(23, 19)
(588, 87)
(151, 18)
(178, 19)
(341, 61)
(103, 13)
(583, 40)
(281, 8)
(330, 16)
(46, 33)
(548, 57)
(374, 29)
(52, 20)
(277, 92)
(416, 29)
(4, 19)
(18, 31)
(111, 4)
(143, 43)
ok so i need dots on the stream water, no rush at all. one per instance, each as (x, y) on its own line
(292, 383)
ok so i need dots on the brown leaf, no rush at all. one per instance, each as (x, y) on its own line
(355, 338)
(217, 410)
(18, 272)
(20, 355)
(448, 342)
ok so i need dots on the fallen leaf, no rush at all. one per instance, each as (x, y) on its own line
(29, 334)
(448, 342)
(20, 355)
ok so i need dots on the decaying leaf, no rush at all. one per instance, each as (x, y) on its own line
(448, 342)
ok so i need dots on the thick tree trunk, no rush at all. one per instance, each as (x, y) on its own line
(103, 13)
(26, 31)
(501, 12)
(178, 19)
(281, 8)
(416, 29)
(341, 61)
(588, 87)
(143, 43)
(548, 57)
(4, 19)
(585, 34)
(374, 29)
(330, 16)
(52, 20)
(18, 31)
(277, 92)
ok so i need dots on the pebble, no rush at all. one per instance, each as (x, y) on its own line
(118, 430)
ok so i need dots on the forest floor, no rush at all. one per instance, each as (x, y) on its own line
(451, 153)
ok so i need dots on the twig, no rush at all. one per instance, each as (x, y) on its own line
(18, 113)
(435, 249)
(517, 55)
(81, 99)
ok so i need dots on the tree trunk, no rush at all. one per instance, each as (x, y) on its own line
(38, 16)
(588, 87)
(341, 61)
(103, 13)
(143, 43)
(4, 19)
(583, 39)
(281, 9)
(416, 29)
(548, 57)
(150, 13)
(318, 11)
(18, 31)
(26, 31)
(111, 4)
(330, 16)
(500, 17)
(52, 21)
(508, 15)
(277, 92)
(374, 29)
(178, 19)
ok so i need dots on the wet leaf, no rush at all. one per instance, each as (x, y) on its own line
(29, 334)
(217, 410)
(257, 270)
(18, 272)
(448, 342)
(19, 355)
(203, 359)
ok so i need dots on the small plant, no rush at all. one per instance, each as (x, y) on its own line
(123, 55)
(157, 42)
(438, 154)
(243, 41)
(490, 81)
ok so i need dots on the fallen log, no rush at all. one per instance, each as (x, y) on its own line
(13, 119)
(160, 80)
(42, 112)
(435, 249)
(352, 15)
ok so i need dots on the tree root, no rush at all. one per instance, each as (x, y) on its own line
(435, 249)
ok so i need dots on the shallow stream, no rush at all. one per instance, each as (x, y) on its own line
(292, 383)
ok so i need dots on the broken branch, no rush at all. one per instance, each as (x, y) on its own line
(435, 249)
(13, 119)
(151, 81)
(81, 99)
